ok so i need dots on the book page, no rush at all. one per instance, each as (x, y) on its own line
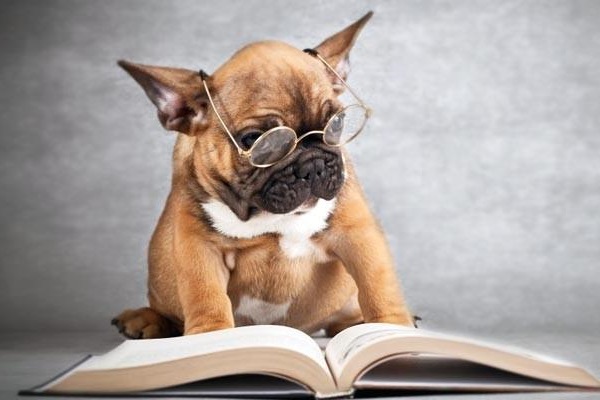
(351, 340)
(357, 349)
(238, 386)
(426, 372)
(140, 365)
(135, 353)
(348, 342)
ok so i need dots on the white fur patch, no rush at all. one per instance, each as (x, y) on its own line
(261, 312)
(295, 229)
(297, 246)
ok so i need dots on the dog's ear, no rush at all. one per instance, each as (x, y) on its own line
(336, 49)
(177, 93)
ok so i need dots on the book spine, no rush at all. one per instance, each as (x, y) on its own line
(337, 395)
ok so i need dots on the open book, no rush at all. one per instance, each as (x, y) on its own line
(367, 356)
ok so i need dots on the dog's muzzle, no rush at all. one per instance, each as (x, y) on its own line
(320, 175)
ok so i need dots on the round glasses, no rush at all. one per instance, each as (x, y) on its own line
(277, 143)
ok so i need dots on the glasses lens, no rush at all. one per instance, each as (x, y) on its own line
(272, 146)
(345, 125)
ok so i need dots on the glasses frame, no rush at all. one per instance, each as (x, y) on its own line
(248, 153)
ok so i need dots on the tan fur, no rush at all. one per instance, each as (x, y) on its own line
(191, 289)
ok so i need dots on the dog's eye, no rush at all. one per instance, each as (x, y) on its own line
(337, 123)
(249, 138)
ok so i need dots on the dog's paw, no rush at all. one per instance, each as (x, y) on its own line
(399, 319)
(144, 323)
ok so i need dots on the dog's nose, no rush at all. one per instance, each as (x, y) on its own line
(311, 169)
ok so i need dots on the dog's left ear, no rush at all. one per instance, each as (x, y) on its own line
(336, 50)
(177, 93)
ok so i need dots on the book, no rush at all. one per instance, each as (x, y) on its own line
(278, 361)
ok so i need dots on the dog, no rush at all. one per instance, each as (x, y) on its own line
(239, 243)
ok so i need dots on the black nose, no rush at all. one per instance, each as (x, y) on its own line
(308, 170)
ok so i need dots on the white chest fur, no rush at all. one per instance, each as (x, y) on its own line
(261, 312)
(295, 229)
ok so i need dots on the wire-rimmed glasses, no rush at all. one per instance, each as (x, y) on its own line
(279, 142)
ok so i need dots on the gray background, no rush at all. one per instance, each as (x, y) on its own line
(481, 161)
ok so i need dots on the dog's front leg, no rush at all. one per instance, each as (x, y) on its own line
(365, 254)
(201, 283)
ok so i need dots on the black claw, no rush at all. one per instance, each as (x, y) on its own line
(416, 320)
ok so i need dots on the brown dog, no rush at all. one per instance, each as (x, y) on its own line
(293, 243)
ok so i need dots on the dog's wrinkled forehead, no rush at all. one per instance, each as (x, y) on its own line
(272, 79)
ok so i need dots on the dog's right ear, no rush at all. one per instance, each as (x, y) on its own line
(177, 93)
(336, 49)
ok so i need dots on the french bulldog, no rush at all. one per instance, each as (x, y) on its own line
(292, 243)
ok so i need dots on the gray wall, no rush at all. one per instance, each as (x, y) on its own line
(482, 159)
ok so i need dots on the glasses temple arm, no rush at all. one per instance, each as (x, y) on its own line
(314, 53)
(203, 76)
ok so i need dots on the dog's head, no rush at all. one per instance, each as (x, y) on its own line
(263, 85)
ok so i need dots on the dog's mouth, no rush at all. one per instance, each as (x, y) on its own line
(301, 183)
(306, 206)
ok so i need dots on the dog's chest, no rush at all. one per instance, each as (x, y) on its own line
(295, 230)
(264, 281)
(265, 286)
